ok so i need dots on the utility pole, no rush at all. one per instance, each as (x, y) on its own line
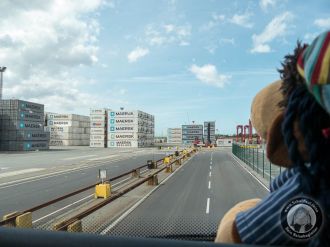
(2, 69)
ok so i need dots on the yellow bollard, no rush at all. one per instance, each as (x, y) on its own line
(75, 227)
(102, 190)
(167, 160)
(24, 220)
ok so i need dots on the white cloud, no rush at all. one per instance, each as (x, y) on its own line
(168, 34)
(41, 42)
(276, 28)
(208, 74)
(323, 23)
(137, 53)
(242, 20)
(264, 4)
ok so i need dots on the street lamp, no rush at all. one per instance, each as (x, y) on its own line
(2, 69)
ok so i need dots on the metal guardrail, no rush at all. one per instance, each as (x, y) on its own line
(255, 157)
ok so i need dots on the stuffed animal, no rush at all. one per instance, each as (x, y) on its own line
(293, 116)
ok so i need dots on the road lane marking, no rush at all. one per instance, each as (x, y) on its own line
(71, 204)
(208, 206)
(254, 176)
(54, 174)
(105, 157)
(19, 172)
(211, 163)
(209, 184)
(130, 210)
(210, 167)
(61, 209)
(210, 174)
(78, 157)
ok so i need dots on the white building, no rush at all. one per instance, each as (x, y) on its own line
(224, 142)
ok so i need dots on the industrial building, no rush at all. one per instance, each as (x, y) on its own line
(209, 132)
(22, 126)
(174, 135)
(192, 133)
(68, 129)
(98, 133)
(130, 129)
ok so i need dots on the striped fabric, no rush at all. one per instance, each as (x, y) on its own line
(262, 224)
(314, 65)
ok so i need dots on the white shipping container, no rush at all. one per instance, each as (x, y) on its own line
(68, 135)
(98, 137)
(99, 111)
(122, 114)
(97, 144)
(63, 123)
(97, 124)
(123, 136)
(97, 131)
(65, 129)
(123, 128)
(98, 118)
(122, 144)
(71, 117)
(69, 142)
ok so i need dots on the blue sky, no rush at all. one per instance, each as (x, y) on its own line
(180, 60)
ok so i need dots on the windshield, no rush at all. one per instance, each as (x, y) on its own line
(133, 118)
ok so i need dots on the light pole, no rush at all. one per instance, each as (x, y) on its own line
(2, 69)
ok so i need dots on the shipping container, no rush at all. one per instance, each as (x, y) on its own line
(97, 131)
(70, 117)
(69, 142)
(98, 118)
(97, 144)
(66, 129)
(18, 105)
(98, 137)
(94, 124)
(24, 145)
(100, 111)
(20, 135)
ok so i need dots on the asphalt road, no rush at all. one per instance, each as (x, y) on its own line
(193, 201)
(23, 195)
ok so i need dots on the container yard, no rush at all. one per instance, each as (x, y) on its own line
(192, 133)
(68, 129)
(98, 133)
(22, 126)
(209, 132)
(130, 129)
(174, 135)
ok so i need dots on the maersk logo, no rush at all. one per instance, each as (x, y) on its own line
(112, 114)
(22, 115)
(112, 121)
(21, 125)
(112, 144)
(50, 122)
(112, 136)
(112, 128)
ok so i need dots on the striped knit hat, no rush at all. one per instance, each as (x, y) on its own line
(314, 66)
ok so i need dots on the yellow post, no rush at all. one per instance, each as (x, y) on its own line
(153, 180)
(75, 226)
(103, 190)
(167, 160)
(7, 216)
(24, 220)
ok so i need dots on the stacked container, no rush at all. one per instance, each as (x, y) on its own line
(68, 129)
(209, 135)
(130, 129)
(98, 136)
(22, 126)
(174, 135)
(192, 133)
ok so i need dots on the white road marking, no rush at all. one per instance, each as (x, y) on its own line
(238, 162)
(209, 184)
(59, 210)
(208, 206)
(71, 204)
(79, 157)
(112, 225)
(210, 174)
(19, 172)
(105, 157)
(49, 175)
(210, 167)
